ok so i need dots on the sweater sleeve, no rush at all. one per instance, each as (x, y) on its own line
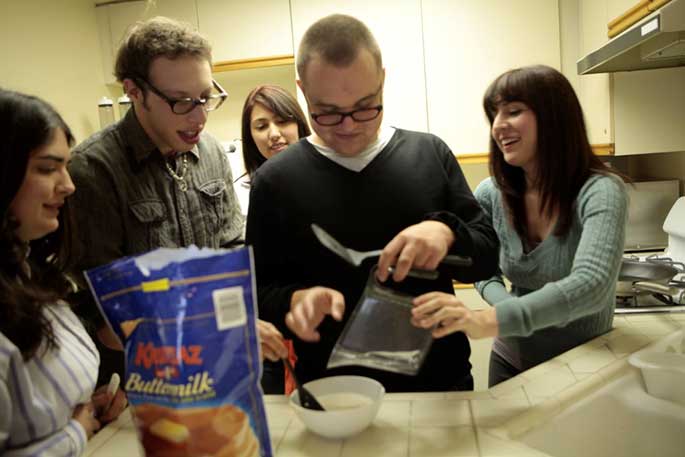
(602, 207)
(492, 289)
(474, 235)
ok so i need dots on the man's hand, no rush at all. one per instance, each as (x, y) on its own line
(421, 246)
(271, 340)
(308, 307)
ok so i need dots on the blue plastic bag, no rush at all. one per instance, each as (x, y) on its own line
(187, 320)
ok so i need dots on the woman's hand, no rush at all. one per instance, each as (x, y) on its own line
(273, 347)
(85, 415)
(449, 315)
(101, 399)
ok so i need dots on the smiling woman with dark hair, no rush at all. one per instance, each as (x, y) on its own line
(559, 213)
(48, 363)
(271, 121)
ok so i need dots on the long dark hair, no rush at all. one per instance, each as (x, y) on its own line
(283, 105)
(564, 156)
(28, 123)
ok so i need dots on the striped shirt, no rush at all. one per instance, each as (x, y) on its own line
(38, 397)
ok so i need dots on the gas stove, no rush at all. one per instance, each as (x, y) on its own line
(644, 301)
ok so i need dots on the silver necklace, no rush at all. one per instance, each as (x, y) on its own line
(180, 177)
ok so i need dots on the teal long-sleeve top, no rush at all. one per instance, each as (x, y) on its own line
(563, 291)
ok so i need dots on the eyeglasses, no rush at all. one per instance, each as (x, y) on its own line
(359, 115)
(187, 104)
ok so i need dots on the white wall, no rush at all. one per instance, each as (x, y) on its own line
(50, 49)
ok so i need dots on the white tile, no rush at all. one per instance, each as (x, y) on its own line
(396, 413)
(517, 393)
(546, 367)
(550, 383)
(440, 413)
(658, 328)
(276, 435)
(493, 446)
(627, 344)
(489, 413)
(279, 415)
(508, 386)
(374, 442)
(535, 400)
(442, 442)
(300, 442)
(592, 361)
(124, 444)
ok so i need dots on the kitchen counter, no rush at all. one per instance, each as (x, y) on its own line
(450, 423)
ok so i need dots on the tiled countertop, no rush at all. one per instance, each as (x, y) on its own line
(454, 423)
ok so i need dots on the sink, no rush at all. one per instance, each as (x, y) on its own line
(617, 418)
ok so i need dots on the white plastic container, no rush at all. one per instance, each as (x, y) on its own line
(663, 367)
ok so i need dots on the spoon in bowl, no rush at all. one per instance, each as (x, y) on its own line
(307, 400)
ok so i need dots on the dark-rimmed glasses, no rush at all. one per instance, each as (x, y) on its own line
(359, 115)
(186, 104)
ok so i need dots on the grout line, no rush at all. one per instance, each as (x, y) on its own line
(475, 428)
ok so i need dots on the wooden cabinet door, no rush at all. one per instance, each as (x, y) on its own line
(467, 45)
(241, 30)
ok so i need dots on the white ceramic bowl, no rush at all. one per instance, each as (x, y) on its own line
(351, 404)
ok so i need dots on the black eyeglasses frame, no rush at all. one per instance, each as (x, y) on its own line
(343, 115)
(172, 102)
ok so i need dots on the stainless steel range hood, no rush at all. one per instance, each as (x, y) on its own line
(657, 41)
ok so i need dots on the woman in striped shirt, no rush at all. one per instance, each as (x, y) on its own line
(48, 363)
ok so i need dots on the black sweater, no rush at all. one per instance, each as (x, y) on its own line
(414, 178)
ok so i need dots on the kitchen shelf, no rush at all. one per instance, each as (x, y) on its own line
(242, 64)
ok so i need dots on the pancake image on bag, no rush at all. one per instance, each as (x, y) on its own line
(187, 320)
(221, 432)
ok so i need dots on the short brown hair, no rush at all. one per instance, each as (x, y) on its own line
(337, 39)
(157, 37)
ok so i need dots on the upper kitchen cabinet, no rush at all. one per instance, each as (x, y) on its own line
(467, 45)
(634, 112)
(594, 91)
(244, 30)
(649, 108)
(397, 28)
(114, 20)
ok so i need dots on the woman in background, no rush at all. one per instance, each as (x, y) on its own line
(48, 363)
(272, 119)
(560, 215)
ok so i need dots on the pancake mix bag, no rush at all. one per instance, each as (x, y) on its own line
(187, 320)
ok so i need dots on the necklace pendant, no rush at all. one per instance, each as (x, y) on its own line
(183, 185)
